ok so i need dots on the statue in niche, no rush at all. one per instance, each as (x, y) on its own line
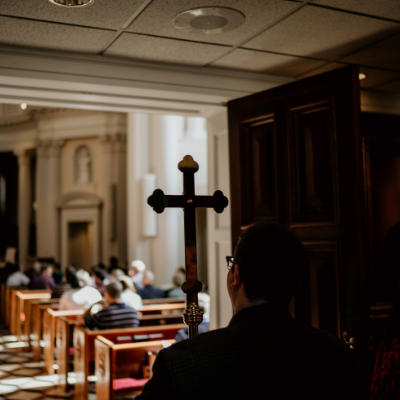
(83, 166)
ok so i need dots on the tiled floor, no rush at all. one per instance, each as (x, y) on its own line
(23, 379)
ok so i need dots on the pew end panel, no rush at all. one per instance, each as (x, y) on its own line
(84, 343)
(121, 361)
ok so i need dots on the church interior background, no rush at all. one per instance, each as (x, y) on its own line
(98, 104)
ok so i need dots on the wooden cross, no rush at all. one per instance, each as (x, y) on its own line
(189, 202)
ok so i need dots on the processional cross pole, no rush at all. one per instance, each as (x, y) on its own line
(189, 202)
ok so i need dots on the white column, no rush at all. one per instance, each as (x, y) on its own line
(138, 147)
(24, 205)
(107, 232)
(53, 193)
(165, 133)
(42, 205)
(119, 178)
(48, 184)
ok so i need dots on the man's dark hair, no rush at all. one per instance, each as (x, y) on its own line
(44, 268)
(114, 290)
(271, 260)
(70, 274)
(99, 273)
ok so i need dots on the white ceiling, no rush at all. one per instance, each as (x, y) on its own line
(279, 37)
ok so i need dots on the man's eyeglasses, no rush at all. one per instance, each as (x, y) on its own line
(230, 262)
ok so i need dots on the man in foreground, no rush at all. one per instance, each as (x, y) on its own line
(263, 353)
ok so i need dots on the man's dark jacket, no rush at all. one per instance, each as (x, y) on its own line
(151, 292)
(262, 354)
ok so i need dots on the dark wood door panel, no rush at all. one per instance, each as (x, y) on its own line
(313, 164)
(259, 174)
(316, 302)
(382, 188)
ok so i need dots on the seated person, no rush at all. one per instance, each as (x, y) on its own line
(204, 305)
(129, 295)
(116, 315)
(135, 271)
(61, 285)
(149, 291)
(82, 296)
(44, 280)
(99, 277)
(18, 278)
(116, 274)
(177, 280)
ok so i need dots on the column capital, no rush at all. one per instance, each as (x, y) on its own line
(42, 146)
(23, 157)
(55, 147)
(115, 143)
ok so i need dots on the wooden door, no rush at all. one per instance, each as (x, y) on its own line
(296, 159)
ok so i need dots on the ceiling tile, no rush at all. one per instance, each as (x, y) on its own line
(157, 18)
(384, 54)
(150, 48)
(325, 68)
(269, 63)
(45, 35)
(393, 87)
(322, 33)
(102, 13)
(385, 9)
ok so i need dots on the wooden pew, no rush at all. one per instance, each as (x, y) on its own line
(10, 302)
(118, 361)
(37, 310)
(49, 331)
(83, 343)
(160, 319)
(163, 309)
(164, 301)
(18, 298)
(3, 302)
(24, 311)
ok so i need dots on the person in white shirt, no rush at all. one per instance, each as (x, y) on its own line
(136, 271)
(18, 278)
(82, 296)
(129, 295)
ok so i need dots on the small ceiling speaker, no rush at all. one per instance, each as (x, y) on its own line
(72, 3)
(209, 20)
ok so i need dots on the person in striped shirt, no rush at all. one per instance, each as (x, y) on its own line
(116, 315)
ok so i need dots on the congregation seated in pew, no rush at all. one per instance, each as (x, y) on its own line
(44, 280)
(135, 271)
(116, 315)
(129, 295)
(82, 296)
(149, 291)
(17, 278)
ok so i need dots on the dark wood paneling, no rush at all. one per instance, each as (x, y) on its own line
(382, 188)
(316, 302)
(258, 145)
(312, 147)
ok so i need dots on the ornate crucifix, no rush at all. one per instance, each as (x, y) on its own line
(189, 202)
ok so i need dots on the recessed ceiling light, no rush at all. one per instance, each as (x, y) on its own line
(209, 20)
(23, 106)
(72, 3)
(361, 76)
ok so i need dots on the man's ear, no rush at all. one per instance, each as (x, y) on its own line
(236, 277)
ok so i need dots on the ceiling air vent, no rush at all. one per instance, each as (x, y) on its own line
(72, 3)
(209, 20)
